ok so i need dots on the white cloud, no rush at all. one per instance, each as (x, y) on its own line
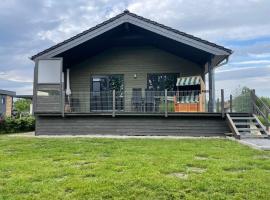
(249, 62)
(261, 55)
(16, 76)
(24, 33)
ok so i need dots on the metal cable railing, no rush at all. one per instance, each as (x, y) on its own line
(134, 101)
(147, 101)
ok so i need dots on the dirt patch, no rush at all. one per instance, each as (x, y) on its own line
(196, 169)
(180, 175)
(200, 158)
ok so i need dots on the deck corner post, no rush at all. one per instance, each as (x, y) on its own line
(166, 103)
(253, 100)
(267, 120)
(113, 112)
(211, 80)
(231, 103)
(222, 103)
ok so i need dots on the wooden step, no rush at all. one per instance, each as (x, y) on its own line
(249, 129)
(246, 123)
(242, 118)
(254, 136)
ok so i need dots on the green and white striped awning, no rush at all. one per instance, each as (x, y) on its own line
(190, 80)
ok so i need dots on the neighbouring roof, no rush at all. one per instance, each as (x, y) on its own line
(187, 81)
(134, 16)
(24, 96)
(7, 92)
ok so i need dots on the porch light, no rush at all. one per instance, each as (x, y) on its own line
(135, 76)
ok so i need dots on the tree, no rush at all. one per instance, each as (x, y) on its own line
(22, 105)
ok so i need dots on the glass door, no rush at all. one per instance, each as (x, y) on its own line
(101, 96)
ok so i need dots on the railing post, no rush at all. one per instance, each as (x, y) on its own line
(231, 102)
(113, 112)
(217, 106)
(253, 101)
(166, 103)
(222, 103)
(267, 119)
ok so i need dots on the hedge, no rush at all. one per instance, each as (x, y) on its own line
(16, 125)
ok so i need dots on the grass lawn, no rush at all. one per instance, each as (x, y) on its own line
(81, 168)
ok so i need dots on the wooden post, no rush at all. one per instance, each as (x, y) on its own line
(267, 119)
(231, 103)
(222, 103)
(166, 103)
(217, 106)
(253, 101)
(211, 85)
(113, 113)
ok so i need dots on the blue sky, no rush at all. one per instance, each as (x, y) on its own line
(29, 26)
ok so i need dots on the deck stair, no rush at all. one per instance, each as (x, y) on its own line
(246, 126)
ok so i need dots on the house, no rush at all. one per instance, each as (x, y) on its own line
(6, 102)
(128, 76)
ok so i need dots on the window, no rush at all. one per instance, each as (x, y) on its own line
(160, 82)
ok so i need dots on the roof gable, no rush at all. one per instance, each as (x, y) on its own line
(127, 17)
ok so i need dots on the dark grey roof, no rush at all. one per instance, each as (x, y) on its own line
(7, 92)
(24, 96)
(126, 12)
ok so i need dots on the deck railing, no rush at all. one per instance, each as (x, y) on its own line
(144, 101)
(136, 101)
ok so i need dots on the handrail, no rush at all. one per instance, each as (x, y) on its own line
(262, 126)
(261, 101)
(232, 126)
(261, 110)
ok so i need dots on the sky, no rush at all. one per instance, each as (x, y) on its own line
(30, 26)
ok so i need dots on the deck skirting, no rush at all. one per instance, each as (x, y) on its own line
(132, 125)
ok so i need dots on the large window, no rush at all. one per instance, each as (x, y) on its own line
(160, 82)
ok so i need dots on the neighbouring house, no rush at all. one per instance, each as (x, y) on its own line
(129, 76)
(6, 102)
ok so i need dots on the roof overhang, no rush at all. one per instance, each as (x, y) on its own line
(218, 52)
(8, 93)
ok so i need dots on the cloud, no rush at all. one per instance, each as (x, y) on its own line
(30, 26)
(251, 62)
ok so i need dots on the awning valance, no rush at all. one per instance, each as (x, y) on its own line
(190, 80)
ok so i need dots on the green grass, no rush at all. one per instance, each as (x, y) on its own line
(80, 168)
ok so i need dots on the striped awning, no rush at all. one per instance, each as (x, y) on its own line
(190, 80)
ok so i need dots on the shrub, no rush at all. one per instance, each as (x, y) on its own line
(16, 125)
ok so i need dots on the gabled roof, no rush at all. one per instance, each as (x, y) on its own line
(128, 17)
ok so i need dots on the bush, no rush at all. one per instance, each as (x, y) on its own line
(16, 125)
